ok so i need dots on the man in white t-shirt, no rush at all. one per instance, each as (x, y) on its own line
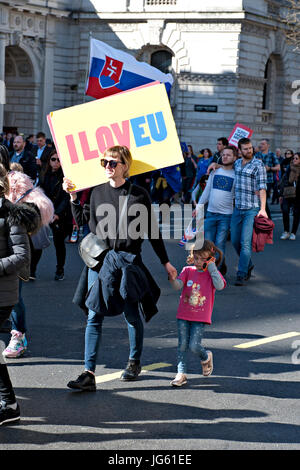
(219, 194)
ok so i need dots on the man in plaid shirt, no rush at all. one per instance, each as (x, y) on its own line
(250, 200)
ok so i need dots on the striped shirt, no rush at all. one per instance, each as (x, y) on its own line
(249, 179)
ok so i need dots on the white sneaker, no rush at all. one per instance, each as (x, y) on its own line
(292, 236)
(179, 380)
(285, 236)
(17, 345)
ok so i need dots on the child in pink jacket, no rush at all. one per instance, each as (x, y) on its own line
(198, 283)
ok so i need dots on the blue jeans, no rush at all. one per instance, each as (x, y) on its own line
(190, 334)
(18, 314)
(242, 221)
(93, 331)
(216, 229)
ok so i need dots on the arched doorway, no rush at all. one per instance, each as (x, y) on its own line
(21, 108)
(273, 95)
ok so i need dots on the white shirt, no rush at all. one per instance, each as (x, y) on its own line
(219, 191)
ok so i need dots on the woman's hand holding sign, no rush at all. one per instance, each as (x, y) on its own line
(69, 187)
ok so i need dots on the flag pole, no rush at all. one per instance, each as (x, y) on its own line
(88, 66)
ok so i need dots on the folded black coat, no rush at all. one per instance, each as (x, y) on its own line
(122, 278)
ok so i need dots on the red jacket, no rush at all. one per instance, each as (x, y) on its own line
(262, 233)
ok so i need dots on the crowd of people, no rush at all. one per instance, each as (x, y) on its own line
(233, 184)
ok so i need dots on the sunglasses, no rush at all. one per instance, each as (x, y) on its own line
(53, 159)
(111, 163)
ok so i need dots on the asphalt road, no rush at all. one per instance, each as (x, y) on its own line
(250, 402)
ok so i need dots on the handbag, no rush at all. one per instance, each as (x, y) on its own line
(92, 249)
(41, 239)
(289, 192)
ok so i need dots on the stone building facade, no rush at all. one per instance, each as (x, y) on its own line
(230, 61)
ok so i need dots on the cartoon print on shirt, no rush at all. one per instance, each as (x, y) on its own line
(196, 298)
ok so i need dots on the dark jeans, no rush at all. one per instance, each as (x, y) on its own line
(216, 229)
(18, 314)
(93, 331)
(6, 389)
(286, 206)
(275, 196)
(241, 237)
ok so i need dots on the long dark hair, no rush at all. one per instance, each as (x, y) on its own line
(4, 157)
(47, 167)
(4, 182)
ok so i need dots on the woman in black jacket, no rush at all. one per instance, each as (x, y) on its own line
(15, 222)
(290, 198)
(123, 245)
(51, 181)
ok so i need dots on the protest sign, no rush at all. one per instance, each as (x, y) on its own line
(239, 132)
(140, 119)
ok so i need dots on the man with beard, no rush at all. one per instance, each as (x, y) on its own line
(24, 157)
(250, 200)
(219, 194)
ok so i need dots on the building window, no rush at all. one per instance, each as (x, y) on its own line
(162, 60)
(267, 103)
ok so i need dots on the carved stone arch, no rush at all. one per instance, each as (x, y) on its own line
(146, 51)
(22, 80)
(164, 35)
(171, 37)
(275, 66)
(33, 49)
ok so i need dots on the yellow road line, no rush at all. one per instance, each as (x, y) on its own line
(117, 375)
(270, 339)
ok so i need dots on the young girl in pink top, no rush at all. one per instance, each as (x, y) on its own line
(198, 284)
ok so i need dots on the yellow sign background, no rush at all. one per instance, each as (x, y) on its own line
(142, 115)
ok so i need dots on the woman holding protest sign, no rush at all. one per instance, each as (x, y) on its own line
(121, 283)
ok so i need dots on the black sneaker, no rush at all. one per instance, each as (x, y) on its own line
(59, 276)
(7, 414)
(132, 371)
(240, 281)
(85, 382)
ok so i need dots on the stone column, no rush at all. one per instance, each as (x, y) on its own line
(2, 78)
(48, 83)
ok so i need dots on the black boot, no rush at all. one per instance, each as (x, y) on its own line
(132, 370)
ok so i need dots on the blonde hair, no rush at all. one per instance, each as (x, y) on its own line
(123, 153)
(16, 167)
(4, 182)
(208, 247)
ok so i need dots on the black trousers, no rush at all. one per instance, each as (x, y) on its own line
(6, 390)
(60, 232)
(287, 205)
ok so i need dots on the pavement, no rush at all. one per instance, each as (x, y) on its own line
(251, 402)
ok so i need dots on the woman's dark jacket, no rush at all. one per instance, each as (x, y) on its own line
(285, 183)
(16, 221)
(112, 269)
(51, 183)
